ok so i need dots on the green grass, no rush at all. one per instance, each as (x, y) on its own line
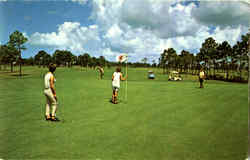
(160, 121)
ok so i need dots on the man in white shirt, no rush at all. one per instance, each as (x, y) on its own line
(116, 78)
(50, 94)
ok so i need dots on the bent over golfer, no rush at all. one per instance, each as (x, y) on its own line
(101, 71)
(116, 78)
(50, 94)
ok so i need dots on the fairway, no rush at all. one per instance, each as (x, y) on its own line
(161, 120)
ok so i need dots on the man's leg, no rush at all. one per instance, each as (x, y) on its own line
(53, 106)
(47, 112)
(116, 95)
(202, 83)
(47, 107)
(54, 109)
(113, 95)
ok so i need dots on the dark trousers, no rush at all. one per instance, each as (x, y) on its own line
(201, 83)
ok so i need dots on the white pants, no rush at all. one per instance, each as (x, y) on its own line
(51, 103)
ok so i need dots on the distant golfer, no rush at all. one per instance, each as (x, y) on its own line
(116, 78)
(201, 77)
(101, 71)
(50, 94)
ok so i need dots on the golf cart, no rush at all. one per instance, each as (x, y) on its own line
(174, 76)
(151, 75)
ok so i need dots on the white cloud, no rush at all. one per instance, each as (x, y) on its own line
(141, 28)
(222, 13)
(245, 1)
(79, 1)
(70, 35)
(229, 34)
(114, 32)
(144, 28)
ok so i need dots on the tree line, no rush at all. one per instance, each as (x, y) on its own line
(220, 60)
(10, 54)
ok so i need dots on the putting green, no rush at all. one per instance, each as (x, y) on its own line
(160, 120)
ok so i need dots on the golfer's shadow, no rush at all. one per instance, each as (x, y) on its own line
(110, 100)
(199, 88)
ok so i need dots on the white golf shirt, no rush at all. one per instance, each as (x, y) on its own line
(47, 80)
(116, 80)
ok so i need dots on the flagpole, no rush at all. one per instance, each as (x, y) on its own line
(126, 94)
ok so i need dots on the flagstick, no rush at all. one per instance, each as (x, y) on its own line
(126, 94)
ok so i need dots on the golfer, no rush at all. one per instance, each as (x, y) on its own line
(116, 78)
(101, 71)
(201, 77)
(50, 94)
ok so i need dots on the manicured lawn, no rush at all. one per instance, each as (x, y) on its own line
(161, 120)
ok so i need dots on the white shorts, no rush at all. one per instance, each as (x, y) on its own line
(115, 88)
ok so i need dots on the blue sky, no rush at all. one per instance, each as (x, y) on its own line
(141, 28)
(42, 16)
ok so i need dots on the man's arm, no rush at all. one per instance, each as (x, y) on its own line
(123, 78)
(52, 86)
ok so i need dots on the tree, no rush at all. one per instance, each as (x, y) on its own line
(144, 61)
(241, 49)
(102, 60)
(186, 60)
(154, 63)
(171, 58)
(163, 60)
(199, 60)
(17, 40)
(30, 61)
(8, 55)
(62, 57)
(93, 62)
(168, 59)
(68, 57)
(42, 58)
(226, 53)
(1, 57)
(73, 60)
(209, 53)
(86, 59)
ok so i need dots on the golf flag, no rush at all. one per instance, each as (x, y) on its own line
(122, 58)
